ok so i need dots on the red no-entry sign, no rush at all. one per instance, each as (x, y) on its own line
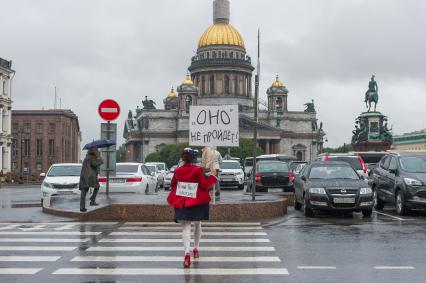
(109, 110)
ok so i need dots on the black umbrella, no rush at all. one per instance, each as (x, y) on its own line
(99, 144)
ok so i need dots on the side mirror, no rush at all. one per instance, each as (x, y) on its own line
(42, 175)
(153, 174)
(303, 178)
(248, 175)
(393, 171)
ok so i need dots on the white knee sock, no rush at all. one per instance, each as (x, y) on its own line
(186, 235)
(197, 234)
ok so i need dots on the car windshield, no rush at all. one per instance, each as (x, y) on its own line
(160, 166)
(151, 168)
(266, 167)
(127, 168)
(64, 170)
(333, 172)
(230, 165)
(413, 164)
(248, 162)
(352, 160)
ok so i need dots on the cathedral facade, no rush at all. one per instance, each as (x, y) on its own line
(220, 73)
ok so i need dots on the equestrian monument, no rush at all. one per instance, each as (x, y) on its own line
(371, 127)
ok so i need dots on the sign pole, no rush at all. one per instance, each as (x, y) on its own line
(107, 159)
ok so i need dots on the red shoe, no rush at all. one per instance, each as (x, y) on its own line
(187, 261)
(196, 253)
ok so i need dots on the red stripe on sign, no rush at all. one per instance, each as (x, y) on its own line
(109, 110)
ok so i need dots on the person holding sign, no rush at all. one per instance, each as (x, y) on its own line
(190, 197)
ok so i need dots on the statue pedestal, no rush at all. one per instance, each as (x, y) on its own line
(371, 132)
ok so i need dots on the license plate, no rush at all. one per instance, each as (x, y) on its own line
(344, 200)
(227, 179)
(66, 192)
(117, 180)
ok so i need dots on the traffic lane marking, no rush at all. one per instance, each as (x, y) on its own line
(43, 240)
(180, 234)
(171, 271)
(394, 217)
(29, 258)
(35, 248)
(78, 233)
(171, 240)
(205, 228)
(19, 271)
(316, 267)
(171, 249)
(176, 258)
(394, 267)
(202, 223)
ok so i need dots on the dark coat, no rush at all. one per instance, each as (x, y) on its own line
(89, 171)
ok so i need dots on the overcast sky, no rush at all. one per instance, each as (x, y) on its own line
(126, 50)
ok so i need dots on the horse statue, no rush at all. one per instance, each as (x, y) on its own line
(148, 104)
(372, 94)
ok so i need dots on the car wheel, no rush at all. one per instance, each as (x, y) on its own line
(367, 212)
(297, 205)
(308, 210)
(401, 208)
(377, 202)
(241, 187)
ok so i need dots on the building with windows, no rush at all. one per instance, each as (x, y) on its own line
(220, 73)
(410, 141)
(6, 77)
(44, 137)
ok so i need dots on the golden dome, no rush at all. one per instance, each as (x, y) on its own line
(277, 82)
(221, 34)
(172, 93)
(187, 80)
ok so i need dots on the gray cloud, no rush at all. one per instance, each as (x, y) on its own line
(325, 50)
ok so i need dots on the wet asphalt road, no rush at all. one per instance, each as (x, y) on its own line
(326, 248)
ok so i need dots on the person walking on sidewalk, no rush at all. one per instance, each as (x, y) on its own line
(89, 177)
(190, 197)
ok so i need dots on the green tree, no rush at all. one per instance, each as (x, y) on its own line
(341, 149)
(121, 153)
(244, 150)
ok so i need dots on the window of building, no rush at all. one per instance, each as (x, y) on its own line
(15, 127)
(27, 128)
(231, 54)
(214, 54)
(203, 85)
(27, 147)
(211, 84)
(26, 168)
(52, 127)
(39, 128)
(14, 147)
(226, 84)
(39, 146)
(51, 147)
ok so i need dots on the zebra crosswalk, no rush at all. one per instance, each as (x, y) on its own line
(134, 248)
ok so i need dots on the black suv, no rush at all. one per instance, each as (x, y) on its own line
(400, 178)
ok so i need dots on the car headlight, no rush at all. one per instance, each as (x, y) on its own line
(412, 182)
(49, 185)
(320, 191)
(365, 191)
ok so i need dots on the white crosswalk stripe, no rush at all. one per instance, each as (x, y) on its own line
(135, 248)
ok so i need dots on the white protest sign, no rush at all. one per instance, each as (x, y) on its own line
(214, 125)
(185, 189)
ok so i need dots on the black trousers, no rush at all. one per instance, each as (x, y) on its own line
(83, 196)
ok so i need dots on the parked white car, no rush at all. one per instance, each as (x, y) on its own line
(130, 178)
(169, 177)
(154, 168)
(61, 179)
(231, 175)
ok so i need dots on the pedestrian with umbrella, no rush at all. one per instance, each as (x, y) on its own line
(90, 170)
